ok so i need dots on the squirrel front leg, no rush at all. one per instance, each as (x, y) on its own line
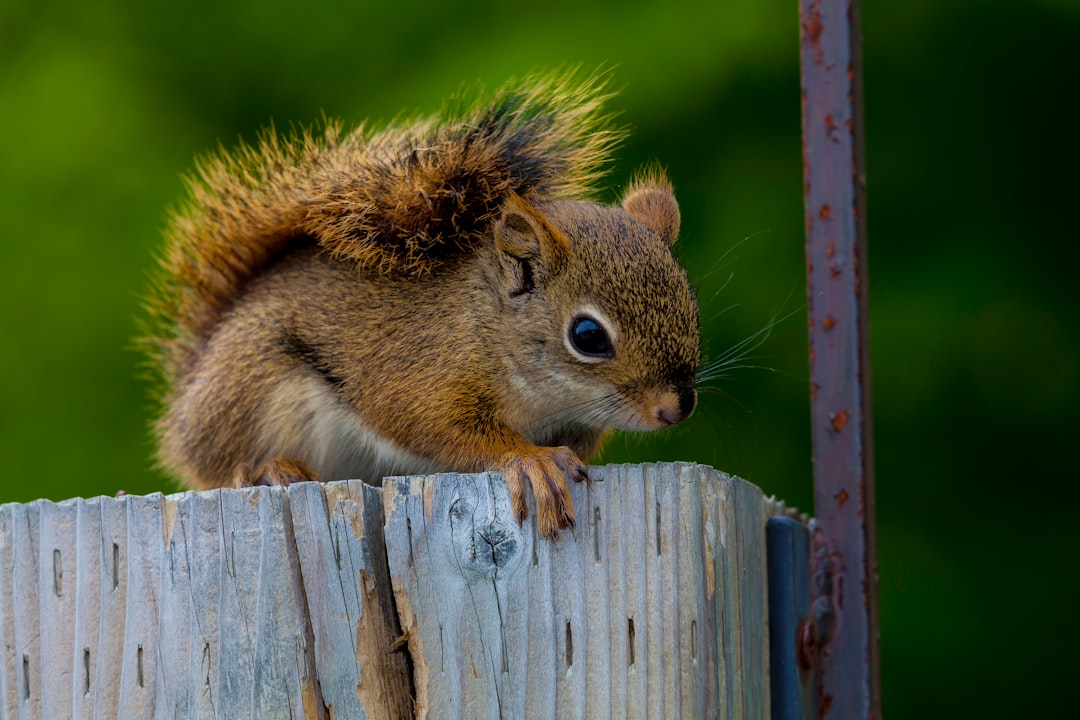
(524, 465)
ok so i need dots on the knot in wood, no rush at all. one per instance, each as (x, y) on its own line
(496, 546)
(490, 549)
(487, 542)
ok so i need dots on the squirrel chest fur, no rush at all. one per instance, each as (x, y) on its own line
(440, 296)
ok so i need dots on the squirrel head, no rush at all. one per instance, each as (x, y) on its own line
(607, 321)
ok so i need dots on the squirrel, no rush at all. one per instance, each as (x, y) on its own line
(439, 295)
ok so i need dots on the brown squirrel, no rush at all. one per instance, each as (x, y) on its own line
(439, 295)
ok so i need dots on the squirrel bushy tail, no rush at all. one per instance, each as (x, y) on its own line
(398, 200)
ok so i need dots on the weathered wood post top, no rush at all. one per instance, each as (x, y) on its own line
(421, 598)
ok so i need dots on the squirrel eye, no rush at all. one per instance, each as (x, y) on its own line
(589, 338)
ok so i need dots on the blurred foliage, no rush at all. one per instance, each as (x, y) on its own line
(972, 158)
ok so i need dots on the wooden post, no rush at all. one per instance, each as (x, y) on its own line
(308, 602)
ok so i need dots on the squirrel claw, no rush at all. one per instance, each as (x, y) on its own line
(543, 470)
(279, 471)
(579, 474)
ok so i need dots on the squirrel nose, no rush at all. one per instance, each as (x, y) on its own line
(685, 398)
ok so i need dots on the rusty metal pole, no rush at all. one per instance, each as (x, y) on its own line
(842, 641)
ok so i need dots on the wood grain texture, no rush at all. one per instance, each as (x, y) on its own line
(197, 605)
(348, 601)
(339, 540)
(654, 606)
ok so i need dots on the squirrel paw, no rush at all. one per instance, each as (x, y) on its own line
(544, 469)
(279, 471)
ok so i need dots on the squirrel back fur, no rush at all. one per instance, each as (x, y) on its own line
(401, 200)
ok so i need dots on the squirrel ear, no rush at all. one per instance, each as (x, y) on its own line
(524, 233)
(651, 201)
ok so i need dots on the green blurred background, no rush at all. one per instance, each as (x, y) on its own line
(972, 161)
